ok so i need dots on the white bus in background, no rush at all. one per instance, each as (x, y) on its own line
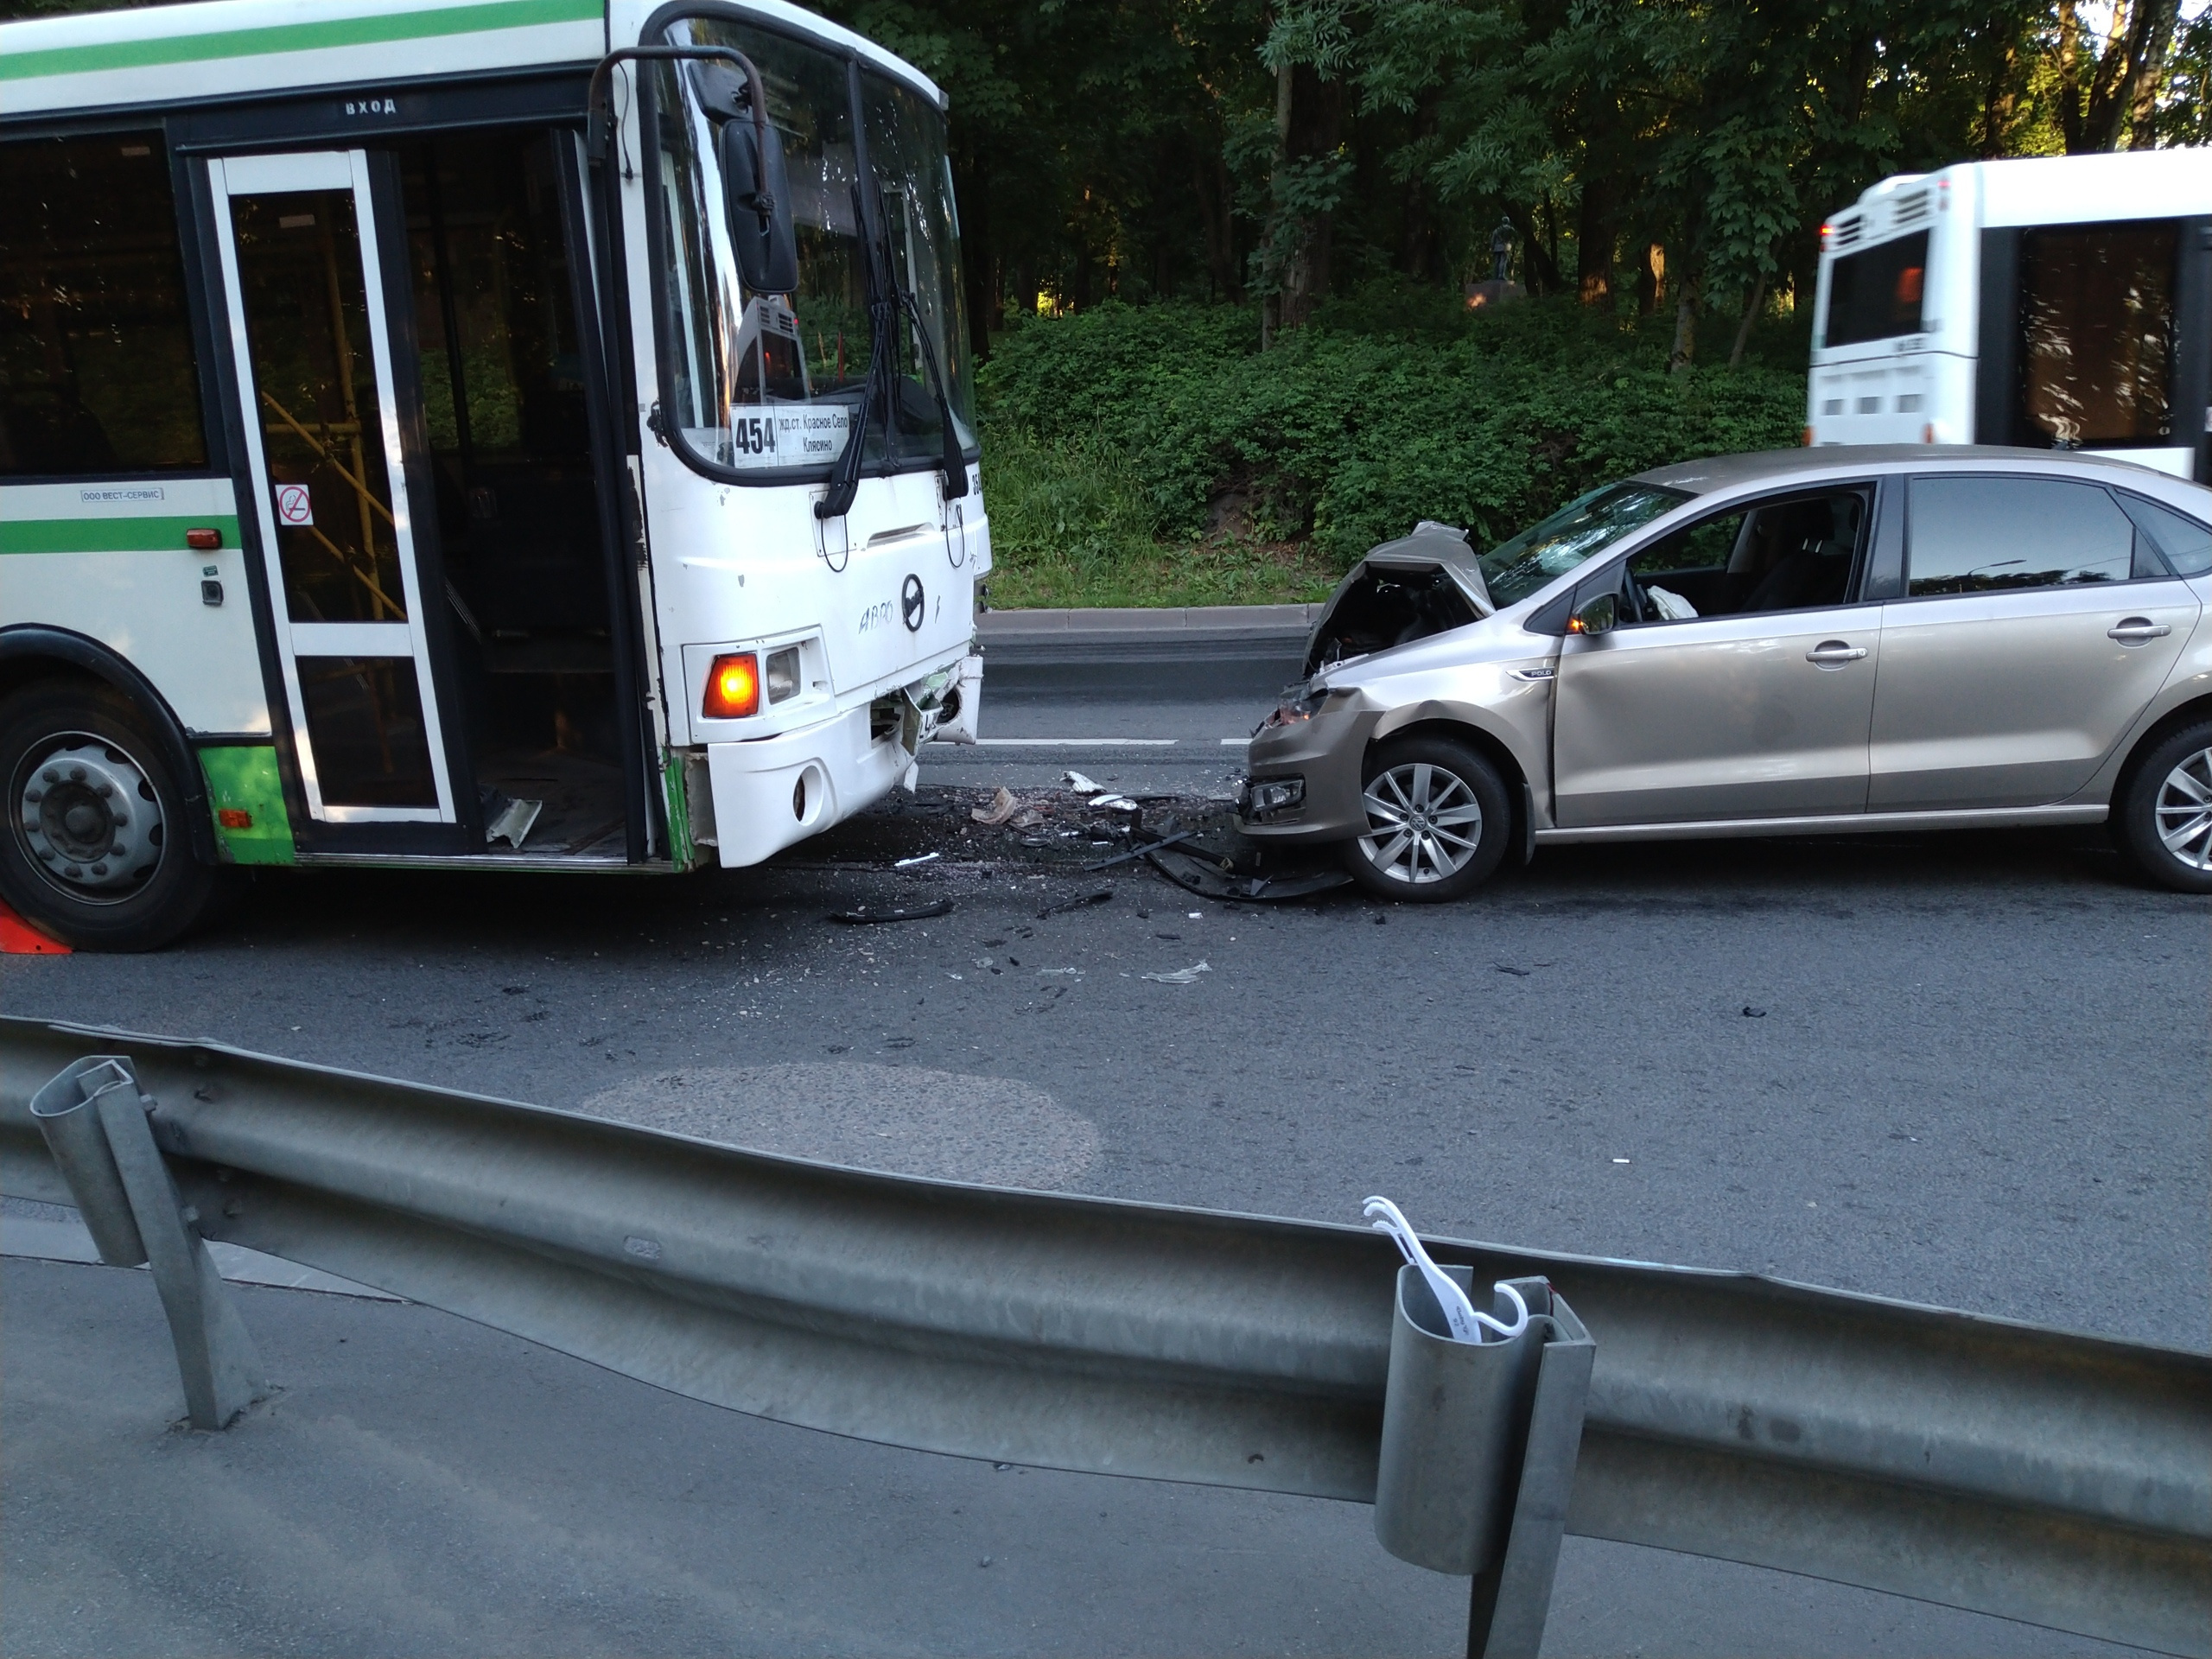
(487, 433)
(2059, 303)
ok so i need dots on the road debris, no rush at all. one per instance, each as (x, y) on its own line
(909, 863)
(1081, 785)
(1218, 878)
(864, 915)
(1067, 905)
(1180, 975)
(1003, 806)
(1124, 857)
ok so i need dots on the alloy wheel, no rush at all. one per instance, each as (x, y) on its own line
(1424, 823)
(2184, 811)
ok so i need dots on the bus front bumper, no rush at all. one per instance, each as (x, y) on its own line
(772, 792)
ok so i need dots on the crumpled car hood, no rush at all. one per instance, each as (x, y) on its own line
(1425, 583)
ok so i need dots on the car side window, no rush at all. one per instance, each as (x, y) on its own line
(2186, 544)
(1969, 535)
(1787, 555)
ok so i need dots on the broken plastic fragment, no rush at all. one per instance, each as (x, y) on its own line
(1460, 1315)
(1003, 806)
(918, 913)
(909, 863)
(1181, 976)
(1065, 905)
(1080, 784)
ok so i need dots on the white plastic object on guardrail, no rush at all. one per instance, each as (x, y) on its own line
(1466, 1325)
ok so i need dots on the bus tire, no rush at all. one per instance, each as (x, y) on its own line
(96, 849)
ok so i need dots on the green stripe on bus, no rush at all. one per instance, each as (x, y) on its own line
(297, 37)
(110, 535)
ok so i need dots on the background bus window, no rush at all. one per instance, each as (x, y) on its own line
(97, 370)
(1876, 293)
(503, 400)
(2096, 334)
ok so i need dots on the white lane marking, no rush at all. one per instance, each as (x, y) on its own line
(1235, 742)
(1080, 742)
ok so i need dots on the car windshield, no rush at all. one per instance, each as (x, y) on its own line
(768, 385)
(1579, 530)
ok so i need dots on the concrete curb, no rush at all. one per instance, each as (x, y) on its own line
(1213, 632)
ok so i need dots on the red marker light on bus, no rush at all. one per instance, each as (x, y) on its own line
(733, 687)
(203, 541)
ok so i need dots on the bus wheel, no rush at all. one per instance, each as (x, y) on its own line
(96, 849)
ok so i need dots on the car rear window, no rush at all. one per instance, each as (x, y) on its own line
(1976, 535)
(2186, 544)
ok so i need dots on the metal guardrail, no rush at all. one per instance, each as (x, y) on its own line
(2057, 1478)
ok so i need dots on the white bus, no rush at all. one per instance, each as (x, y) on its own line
(2059, 303)
(517, 433)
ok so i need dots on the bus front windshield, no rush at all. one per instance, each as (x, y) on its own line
(769, 386)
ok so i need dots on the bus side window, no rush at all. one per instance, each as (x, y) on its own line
(2096, 338)
(97, 370)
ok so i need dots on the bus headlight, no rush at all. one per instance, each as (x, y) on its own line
(783, 673)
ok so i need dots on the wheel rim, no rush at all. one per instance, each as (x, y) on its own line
(2184, 812)
(87, 816)
(1423, 823)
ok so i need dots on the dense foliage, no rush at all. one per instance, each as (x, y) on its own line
(1685, 151)
(1122, 424)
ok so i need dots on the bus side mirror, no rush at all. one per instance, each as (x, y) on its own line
(757, 205)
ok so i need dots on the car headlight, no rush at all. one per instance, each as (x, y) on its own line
(1265, 797)
(1299, 702)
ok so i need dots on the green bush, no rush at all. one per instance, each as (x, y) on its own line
(1388, 408)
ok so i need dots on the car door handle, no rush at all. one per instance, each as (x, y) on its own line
(1834, 653)
(2137, 630)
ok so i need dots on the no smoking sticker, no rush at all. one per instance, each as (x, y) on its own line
(293, 505)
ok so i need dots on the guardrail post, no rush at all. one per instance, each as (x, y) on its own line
(93, 1119)
(1480, 1444)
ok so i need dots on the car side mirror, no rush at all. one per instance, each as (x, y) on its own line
(1595, 616)
(757, 194)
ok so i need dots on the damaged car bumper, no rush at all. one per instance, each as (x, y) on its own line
(1302, 781)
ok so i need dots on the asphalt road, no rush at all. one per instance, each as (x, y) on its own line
(1966, 1070)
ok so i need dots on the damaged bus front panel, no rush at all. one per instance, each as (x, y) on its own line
(811, 490)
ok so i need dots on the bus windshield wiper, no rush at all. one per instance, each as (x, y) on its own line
(888, 300)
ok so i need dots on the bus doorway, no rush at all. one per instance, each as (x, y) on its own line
(495, 256)
(407, 330)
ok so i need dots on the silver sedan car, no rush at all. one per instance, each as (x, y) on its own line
(1805, 642)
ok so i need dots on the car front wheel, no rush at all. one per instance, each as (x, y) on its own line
(2164, 814)
(1438, 821)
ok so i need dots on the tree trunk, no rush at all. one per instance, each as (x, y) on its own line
(2069, 77)
(1309, 132)
(1539, 271)
(1651, 279)
(1274, 249)
(1686, 312)
(1211, 185)
(1997, 105)
(1750, 315)
(1593, 242)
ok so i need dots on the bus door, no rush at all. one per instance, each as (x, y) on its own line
(306, 284)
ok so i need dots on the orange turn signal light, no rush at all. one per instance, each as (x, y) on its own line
(232, 817)
(205, 540)
(733, 687)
